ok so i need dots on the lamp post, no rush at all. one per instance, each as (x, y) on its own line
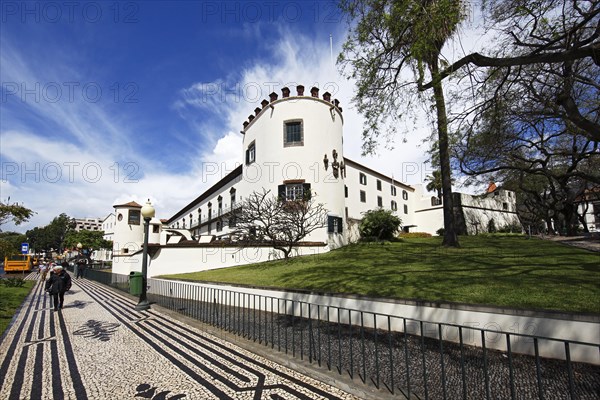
(79, 247)
(147, 213)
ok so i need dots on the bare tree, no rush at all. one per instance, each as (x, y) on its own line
(266, 218)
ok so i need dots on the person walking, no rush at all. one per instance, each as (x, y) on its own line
(58, 283)
(43, 271)
(80, 268)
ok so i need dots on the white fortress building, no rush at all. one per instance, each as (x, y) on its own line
(293, 147)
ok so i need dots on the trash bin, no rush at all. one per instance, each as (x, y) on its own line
(135, 283)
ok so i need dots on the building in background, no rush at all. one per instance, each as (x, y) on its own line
(88, 224)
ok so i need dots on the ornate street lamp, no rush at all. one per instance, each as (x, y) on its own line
(148, 214)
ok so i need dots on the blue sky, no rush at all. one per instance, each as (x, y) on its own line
(108, 102)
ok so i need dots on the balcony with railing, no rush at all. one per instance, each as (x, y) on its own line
(218, 213)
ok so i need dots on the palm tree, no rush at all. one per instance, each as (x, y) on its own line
(393, 36)
(435, 183)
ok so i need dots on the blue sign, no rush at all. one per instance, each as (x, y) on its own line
(25, 248)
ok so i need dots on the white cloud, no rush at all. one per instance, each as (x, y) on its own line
(298, 59)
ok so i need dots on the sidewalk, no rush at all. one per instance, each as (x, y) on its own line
(99, 347)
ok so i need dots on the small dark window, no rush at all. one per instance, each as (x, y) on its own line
(293, 134)
(405, 209)
(232, 197)
(379, 201)
(363, 196)
(251, 153)
(219, 226)
(294, 191)
(394, 205)
(393, 190)
(334, 224)
(505, 206)
(134, 217)
(346, 191)
(232, 222)
(378, 184)
(154, 228)
(405, 195)
(362, 178)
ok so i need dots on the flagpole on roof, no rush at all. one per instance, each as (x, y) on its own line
(331, 50)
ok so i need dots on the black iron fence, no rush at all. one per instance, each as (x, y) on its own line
(417, 359)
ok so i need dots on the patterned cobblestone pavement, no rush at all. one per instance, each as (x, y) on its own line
(99, 347)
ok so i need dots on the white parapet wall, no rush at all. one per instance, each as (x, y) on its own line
(551, 329)
(168, 260)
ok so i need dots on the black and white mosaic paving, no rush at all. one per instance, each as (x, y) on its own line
(99, 347)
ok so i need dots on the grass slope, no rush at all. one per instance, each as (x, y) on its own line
(10, 299)
(510, 271)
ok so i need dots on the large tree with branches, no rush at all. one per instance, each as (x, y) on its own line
(546, 37)
(393, 47)
(548, 49)
(536, 125)
(265, 218)
(18, 213)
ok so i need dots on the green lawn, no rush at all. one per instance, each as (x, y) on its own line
(510, 271)
(10, 299)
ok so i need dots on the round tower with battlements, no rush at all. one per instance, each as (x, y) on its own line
(293, 146)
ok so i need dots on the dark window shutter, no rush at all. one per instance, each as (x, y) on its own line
(340, 225)
(281, 192)
(306, 189)
(247, 156)
(330, 224)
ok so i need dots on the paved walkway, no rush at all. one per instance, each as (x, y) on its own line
(589, 242)
(99, 347)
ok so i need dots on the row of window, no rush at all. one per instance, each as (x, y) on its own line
(393, 204)
(363, 199)
(232, 195)
(362, 179)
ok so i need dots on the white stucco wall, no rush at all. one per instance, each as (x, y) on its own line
(477, 210)
(356, 208)
(180, 260)
(275, 163)
(593, 208)
(126, 236)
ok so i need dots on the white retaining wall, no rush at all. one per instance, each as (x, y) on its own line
(496, 322)
(181, 260)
